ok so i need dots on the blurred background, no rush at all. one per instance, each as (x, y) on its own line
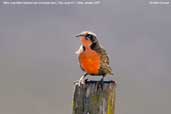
(38, 63)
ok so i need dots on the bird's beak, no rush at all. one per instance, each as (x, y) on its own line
(79, 35)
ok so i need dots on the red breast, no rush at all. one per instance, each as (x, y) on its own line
(89, 59)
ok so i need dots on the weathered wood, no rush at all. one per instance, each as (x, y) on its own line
(91, 98)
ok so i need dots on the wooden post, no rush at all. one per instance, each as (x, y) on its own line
(91, 98)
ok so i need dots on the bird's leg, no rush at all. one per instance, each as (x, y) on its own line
(81, 81)
(102, 81)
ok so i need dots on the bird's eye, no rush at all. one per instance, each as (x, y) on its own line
(89, 36)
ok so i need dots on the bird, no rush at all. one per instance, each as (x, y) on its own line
(93, 58)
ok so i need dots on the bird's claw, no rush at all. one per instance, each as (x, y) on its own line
(75, 82)
(80, 82)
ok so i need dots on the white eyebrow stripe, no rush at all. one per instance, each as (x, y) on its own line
(84, 32)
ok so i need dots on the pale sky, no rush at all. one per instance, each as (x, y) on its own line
(38, 63)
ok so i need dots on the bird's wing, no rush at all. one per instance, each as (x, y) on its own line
(104, 56)
(105, 68)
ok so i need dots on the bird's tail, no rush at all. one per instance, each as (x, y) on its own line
(110, 71)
